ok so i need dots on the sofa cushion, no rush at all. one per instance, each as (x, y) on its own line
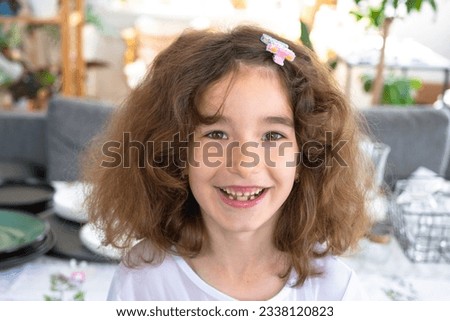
(22, 144)
(72, 123)
(447, 167)
(418, 136)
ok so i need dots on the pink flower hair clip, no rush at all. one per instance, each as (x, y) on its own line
(279, 49)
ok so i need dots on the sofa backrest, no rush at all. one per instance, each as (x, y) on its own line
(418, 136)
(71, 124)
(22, 144)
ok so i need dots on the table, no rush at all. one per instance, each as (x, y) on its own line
(402, 55)
(32, 281)
(385, 273)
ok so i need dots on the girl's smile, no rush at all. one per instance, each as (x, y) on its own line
(242, 196)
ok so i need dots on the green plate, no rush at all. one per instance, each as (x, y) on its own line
(18, 229)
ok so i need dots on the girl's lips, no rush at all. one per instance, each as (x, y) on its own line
(242, 203)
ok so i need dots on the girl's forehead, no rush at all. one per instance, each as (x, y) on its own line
(216, 94)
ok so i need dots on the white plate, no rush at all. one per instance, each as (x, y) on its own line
(68, 201)
(91, 237)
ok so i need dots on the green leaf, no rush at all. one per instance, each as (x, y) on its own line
(11, 38)
(332, 63)
(390, 95)
(5, 80)
(415, 83)
(304, 36)
(376, 13)
(396, 90)
(46, 78)
(357, 15)
(416, 5)
(376, 16)
(433, 4)
(92, 18)
(367, 81)
(79, 296)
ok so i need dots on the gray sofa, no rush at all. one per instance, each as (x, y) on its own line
(50, 143)
(417, 136)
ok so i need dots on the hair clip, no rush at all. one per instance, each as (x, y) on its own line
(279, 49)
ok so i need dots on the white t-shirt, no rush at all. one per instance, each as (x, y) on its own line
(174, 280)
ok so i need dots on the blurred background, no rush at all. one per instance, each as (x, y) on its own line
(100, 48)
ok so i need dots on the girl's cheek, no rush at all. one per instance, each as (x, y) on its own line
(284, 154)
(209, 153)
(212, 153)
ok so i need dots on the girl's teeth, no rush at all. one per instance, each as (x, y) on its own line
(240, 196)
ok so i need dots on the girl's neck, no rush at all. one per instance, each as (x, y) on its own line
(245, 269)
(237, 253)
(238, 250)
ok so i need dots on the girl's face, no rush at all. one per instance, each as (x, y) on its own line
(242, 168)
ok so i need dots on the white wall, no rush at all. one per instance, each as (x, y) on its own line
(428, 27)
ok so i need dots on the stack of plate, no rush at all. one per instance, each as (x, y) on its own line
(28, 195)
(68, 201)
(37, 218)
(23, 237)
(76, 237)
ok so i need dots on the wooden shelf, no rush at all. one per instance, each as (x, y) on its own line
(30, 20)
(70, 21)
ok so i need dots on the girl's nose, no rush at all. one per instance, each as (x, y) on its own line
(244, 158)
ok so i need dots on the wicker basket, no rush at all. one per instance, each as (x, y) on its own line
(423, 235)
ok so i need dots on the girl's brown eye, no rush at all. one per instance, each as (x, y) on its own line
(272, 136)
(217, 134)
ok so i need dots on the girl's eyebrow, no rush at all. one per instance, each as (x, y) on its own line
(283, 120)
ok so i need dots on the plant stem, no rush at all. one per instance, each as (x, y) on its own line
(379, 79)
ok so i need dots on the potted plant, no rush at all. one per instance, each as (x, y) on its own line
(397, 90)
(380, 15)
(17, 79)
(10, 69)
(92, 29)
(91, 34)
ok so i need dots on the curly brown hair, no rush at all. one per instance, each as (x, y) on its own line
(144, 199)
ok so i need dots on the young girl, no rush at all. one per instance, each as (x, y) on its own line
(236, 164)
